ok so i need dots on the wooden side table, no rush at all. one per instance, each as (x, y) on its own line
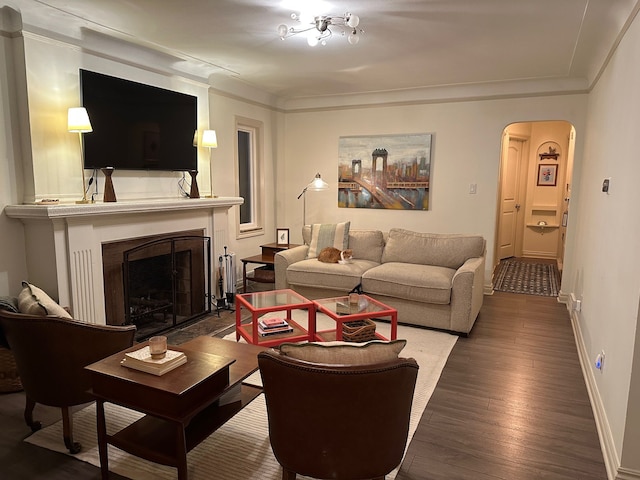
(266, 258)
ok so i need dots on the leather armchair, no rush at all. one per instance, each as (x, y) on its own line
(337, 421)
(51, 354)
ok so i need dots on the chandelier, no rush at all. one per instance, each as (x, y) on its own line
(319, 28)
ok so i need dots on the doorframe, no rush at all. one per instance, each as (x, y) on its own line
(568, 179)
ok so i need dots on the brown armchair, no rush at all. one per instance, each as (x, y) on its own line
(337, 421)
(51, 354)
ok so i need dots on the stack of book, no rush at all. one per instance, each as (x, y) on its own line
(273, 326)
(141, 360)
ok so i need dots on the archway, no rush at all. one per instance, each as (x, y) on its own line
(536, 167)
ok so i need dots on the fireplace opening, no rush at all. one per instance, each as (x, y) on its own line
(166, 282)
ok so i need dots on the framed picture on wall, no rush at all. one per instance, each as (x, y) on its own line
(282, 236)
(547, 175)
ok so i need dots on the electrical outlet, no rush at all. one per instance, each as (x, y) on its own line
(599, 364)
(473, 188)
(576, 304)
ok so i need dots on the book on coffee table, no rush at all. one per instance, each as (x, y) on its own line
(142, 360)
(274, 331)
(275, 322)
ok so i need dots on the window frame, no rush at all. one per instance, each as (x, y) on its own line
(256, 151)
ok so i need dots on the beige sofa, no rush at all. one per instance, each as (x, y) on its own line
(433, 280)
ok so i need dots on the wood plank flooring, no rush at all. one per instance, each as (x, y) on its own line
(511, 404)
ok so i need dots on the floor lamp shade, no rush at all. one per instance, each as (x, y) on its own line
(316, 185)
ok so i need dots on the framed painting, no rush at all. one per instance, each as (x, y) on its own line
(385, 171)
(547, 175)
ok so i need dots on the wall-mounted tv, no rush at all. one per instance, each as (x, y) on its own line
(137, 126)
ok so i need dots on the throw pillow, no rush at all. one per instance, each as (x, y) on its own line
(33, 301)
(10, 304)
(344, 353)
(328, 235)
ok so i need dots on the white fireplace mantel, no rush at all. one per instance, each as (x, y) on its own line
(64, 241)
(51, 211)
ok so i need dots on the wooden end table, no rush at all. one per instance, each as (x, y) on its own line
(341, 311)
(181, 406)
(266, 258)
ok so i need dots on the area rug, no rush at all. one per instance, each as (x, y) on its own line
(517, 276)
(240, 449)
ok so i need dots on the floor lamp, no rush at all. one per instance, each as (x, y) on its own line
(78, 122)
(316, 185)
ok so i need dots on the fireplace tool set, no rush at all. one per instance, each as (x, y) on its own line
(226, 281)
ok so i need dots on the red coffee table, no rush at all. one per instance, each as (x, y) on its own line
(260, 304)
(341, 311)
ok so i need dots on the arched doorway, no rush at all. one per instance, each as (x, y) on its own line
(535, 187)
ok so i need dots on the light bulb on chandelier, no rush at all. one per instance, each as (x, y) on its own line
(319, 28)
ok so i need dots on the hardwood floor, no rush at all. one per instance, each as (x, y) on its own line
(511, 404)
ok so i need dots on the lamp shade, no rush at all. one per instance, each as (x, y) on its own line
(209, 139)
(318, 184)
(78, 120)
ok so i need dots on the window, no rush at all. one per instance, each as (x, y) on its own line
(249, 157)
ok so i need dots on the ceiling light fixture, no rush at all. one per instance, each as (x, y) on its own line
(318, 28)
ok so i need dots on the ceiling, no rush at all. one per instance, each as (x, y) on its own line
(406, 44)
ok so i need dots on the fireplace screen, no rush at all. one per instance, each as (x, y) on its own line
(167, 282)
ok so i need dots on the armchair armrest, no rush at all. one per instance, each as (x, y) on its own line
(283, 259)
(467, 294)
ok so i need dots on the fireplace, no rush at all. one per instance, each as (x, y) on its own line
(66, 243)
(157, 282)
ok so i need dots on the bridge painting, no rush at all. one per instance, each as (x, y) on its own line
(385, 171)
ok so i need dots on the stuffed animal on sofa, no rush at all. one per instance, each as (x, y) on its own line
(334, 255)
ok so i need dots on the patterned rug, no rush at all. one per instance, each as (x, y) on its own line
(517, 276)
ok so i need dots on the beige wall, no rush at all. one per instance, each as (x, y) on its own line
(466, 149)
(602, 255)
(53, 86)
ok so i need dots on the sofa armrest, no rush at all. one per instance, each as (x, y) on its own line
(283, 259)
(467, 294)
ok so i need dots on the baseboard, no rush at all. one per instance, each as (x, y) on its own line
(611, 462)
(627, 474)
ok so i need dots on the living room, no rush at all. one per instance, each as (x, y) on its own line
(300, 138)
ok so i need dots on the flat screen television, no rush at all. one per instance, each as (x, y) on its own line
(137, 126)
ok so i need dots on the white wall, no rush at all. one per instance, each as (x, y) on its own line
(466, 149)
(224, 111)
(53, 86)
(602, 248)
(13, 266)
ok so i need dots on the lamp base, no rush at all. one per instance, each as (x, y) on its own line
(109, 192)
(194, 193)
(84, 201)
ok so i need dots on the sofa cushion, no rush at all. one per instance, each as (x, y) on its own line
(367, 244)
(344, 353)
(420, 283)
(328, 275)
(445, 250)
(33, 301)
(328, 235)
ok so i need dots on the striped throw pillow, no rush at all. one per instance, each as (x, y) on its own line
(328, 235)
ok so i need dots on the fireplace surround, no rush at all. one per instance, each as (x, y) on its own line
(64, 242)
